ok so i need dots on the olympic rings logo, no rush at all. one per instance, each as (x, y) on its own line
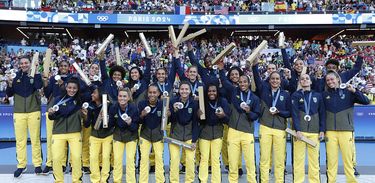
(102, 18)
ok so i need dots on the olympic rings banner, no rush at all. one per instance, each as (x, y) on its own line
(364, 117)
(160, 19)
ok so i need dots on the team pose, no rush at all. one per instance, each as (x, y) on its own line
(100, 121)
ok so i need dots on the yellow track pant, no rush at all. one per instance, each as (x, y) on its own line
(342, 140)
(86, 133)
(210, 149)
(174, 151)
(224, 149)
(75, 146)
(24, 122)
(151, 157)
(240, 141)
(49, 128)
(118, 153)
(152, 154)
(158, 148)
(197, 156)
(97, 145)
(272, 139)
(299, 156)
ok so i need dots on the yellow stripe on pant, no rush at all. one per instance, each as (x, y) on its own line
(210, 149)
(75, 146)
(299, 153)
(97, 145)
(240, 141)
(158, 148)
(174, 151)
(24, 122)
(342, 140)
(272, 139)
(118, 153)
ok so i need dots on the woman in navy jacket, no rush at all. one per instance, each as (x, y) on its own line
(192, 78)
(275, 109)
(208, 73)
(339, 105)
(211, 133)
(151, 111)
(184, 127)
(308, 114)
(66, 114)
(232, 79)
(100, 139)
(53, 89)
(139, 81)
(166, 78)
(109, 82)
(125, 117)
(245, 107)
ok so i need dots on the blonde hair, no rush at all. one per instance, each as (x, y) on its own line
(127, 90)
(334, 73)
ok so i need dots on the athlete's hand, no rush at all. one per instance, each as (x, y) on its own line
(299, 135)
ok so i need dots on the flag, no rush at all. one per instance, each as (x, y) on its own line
(280, 7)
(182, 10)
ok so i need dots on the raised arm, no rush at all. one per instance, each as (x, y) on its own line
(360, 98)
(201, 70)
(229, 88)
(103, 70)
(286, 60)
(346, 76)
(180, 69)
(172, 71)
(147, 73)
(48, 89)
(258, 81)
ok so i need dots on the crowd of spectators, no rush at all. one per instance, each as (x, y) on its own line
(281, 5)
(313, 52)
(109, 6)
(209, 6)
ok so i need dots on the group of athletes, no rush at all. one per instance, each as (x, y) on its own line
(315, 107)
